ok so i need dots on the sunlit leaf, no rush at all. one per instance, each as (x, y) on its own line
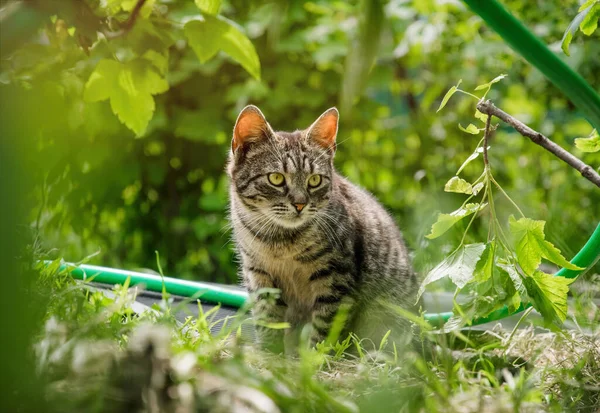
(572, 28)
(129, 87)
(472, 129)
(159, 60)
(129, 5)
(481, 116)
(491, 82)
(549, 295)
(448, 95)
(212, 34)
(586, 4)
(471, 157)
(589, 144)
(531, 246)
(460, 186)
(209, 6)
(446, 221)
(590, 21)
(459, 266)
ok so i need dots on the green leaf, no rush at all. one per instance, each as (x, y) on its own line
(209, 6)
(589, 144)
(459, 266)
(481, 116)
(531, 246)
(485, 266)
(472, 129)
(590, 21)
(102, 80)
(471, 157)
(587, 4)
(549, 295)
(446, 221)
(513, 274)
(129, 5)
(572, 28)
(489, 84)
(566, 41)
(460, 186)
(212, 34)
(448, 95)
(129, 87)
(159, 60)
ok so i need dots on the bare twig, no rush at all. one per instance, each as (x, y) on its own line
(586, 171)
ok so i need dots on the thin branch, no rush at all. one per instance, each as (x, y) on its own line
(486, 138)
(128, 25)
(586, 171)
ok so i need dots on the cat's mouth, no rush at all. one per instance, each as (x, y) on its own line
(291, 220)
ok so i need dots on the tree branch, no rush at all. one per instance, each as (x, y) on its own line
(586, 171)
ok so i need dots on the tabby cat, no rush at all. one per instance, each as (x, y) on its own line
(302, 228)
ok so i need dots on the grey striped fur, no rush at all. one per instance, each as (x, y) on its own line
(342, 247)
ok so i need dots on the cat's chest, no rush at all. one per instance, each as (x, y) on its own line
(292, 277)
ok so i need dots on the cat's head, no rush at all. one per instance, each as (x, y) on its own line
(285, 178)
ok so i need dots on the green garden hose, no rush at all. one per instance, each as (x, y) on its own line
(212, 293)
(216, 294)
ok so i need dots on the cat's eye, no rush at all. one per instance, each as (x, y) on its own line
(314, 181)
(276, 179)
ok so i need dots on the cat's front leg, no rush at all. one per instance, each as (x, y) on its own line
(324, 311)
(267, 312)
(268, 308)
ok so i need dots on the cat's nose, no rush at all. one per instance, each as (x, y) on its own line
(299, 207)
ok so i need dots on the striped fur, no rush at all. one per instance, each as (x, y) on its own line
(342, 247)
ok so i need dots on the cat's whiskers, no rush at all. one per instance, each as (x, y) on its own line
(328, 230)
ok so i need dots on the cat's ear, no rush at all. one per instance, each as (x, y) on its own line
(251, 126)
(324, 131)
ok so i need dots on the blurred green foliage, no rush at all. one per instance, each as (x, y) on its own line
(130, 189)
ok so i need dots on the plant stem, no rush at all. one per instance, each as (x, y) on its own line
(487, 107)
(507, 197)
(469, 94)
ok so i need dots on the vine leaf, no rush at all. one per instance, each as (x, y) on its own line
(209, 6)
(214, 33)
(446, 221)
(573, 27)
(481, 116)
(531, 245)
(590, 21)
(485, 266)
(448, 95)
(589, 144)
(460, 186)
(129, 87)
(549, 295)
(459, 266)
(159, 60)
(471, 157)
(472, 129)
(489, 84)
